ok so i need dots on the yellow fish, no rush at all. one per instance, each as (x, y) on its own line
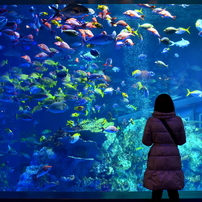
(104, 121)
(58, 38)
(79, 108)
(139, 11)
(99, 91)
(102, 7)
(195, 93)
(42, 138)
(74, 138)
(43, 13)
(125, 95)
(136, 73)
(70, 123)
(182, 30)
(138, 148)
(55, 22)
(75, 115)
(131, 121)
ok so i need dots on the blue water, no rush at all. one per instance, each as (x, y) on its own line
(98, 161)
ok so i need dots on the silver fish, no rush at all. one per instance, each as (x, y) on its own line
(183, 43)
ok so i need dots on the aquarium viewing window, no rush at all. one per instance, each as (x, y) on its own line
(77, 85)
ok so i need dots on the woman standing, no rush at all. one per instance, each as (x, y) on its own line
(164, 163)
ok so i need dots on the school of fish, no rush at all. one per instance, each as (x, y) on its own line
(70, 76)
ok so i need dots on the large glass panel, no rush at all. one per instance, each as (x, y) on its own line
(77, 85)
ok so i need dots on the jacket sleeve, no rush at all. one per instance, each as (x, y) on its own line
(182, 136)
(147, 136)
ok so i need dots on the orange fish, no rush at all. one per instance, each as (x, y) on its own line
(123, 36)
(153, 31)
(120, 23)
(26, 58)
(133, 14)
(166, 14)
(129, 43)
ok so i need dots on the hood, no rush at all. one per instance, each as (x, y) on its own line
(161, 115)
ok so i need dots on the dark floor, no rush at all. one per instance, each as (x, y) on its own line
(185, 196)
(93, 200)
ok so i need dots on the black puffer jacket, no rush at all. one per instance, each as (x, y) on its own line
(164, 162)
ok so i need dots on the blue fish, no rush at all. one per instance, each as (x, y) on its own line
(94, 52)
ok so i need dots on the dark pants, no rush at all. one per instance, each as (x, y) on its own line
(172, 194)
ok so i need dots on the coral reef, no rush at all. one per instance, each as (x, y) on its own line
(104, 161)
(69, 164)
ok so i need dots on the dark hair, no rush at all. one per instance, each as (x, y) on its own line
(164, 103)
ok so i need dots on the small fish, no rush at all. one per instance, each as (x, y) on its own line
(153, 31)
(198, 25)
(42, 171)
(133, 14)
(67, 178)
(111, 129)
(123, 83)
(136, 73)
(139, 148)
(58, 107)
(195, 93)
(70, 123)
(116, 69)
(94, 52)
(165, 50)
(160, 64)
(24, 117)
(137, 85)
(142, 56)
(3, 21)
(46, 131)
(108, 91)
(58, 38)
(71, 32)
(165, 40)
(9, 132)
(170, 30)
(79, 108)
(146, 25)
(108, 62)
(74, 138)
(165, 14)
(102, 7)
(3, 63)
(43, 13)
(75, 114)
(184, 5)
(182, 30)
(176, 55)
(125, 95)
(42, 138)
(146, 91)
(129, 106)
